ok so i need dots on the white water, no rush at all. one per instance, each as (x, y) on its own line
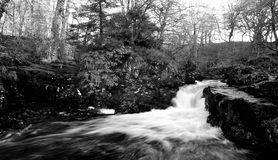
(181, 130)
(186, 120)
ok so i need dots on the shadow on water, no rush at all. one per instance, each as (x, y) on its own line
(178, 133)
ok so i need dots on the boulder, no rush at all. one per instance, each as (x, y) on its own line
(245, 75)
(217, 72)
(237, 75)
(267, 63)
(244, 119)
(2, 94)
(264, 89)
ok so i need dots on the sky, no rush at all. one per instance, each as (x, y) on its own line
(217, 4)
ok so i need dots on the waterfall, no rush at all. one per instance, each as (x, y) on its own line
(177, 133)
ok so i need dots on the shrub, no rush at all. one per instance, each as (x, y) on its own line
(99, 69)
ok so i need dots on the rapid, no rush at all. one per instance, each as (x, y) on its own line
(180, 132)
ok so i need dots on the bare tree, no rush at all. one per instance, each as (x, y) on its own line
(167, 13)
(231, 19)
(253, 19)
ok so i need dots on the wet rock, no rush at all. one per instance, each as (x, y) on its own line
(243, 119)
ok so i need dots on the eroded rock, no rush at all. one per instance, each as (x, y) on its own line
(243, 119)
(2, 94)
(265, 89)
(245, 75)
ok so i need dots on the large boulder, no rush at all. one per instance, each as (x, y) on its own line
(237, 75)
(2, 94)
(267, 63)
(245, 75)
(243, 119)
(264, 89)
(218, 72)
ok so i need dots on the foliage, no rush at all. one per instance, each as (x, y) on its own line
(132, 28)
(98, 71)
(93, 17)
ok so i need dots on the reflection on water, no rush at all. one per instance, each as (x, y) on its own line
(178, 133)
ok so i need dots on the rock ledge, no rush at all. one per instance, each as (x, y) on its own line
(243, 119)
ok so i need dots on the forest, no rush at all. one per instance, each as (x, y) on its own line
(66, 60)
(127, 55)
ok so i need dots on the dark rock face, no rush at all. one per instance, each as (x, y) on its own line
(239, 75)
(243, 119)
(264, 89)
(245, 76)
(26, 85)
(2, 94)
(267, 63)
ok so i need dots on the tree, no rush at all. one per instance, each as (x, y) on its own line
(65, 18)
(231, 19)
(3, 5)
(32, 15)
(132, 29)
(56, 26)
(167, 14)
(22, 9)
(252, 16)
(273, 21)
(94, 21)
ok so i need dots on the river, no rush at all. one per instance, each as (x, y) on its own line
(177, 133)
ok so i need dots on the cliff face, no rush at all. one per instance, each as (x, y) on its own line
(243, 119)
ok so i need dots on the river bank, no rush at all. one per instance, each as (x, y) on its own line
(246, 110)
(40, 92)
(179, 132)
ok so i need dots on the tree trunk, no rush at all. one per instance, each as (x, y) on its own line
(122, 6)
(206, 37)
(273, 22)
(202, 38)
(22, 17)
(56, 26)
(195, 41)
(166, 8)
(209, 37)
(32, 18)
(13, 26)
(65, 18)
(128, 6)
(3, 5)
(3, 25)
(101, 26)
(231, 32)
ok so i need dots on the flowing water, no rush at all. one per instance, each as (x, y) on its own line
(177, 133)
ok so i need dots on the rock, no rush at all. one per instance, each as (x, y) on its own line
(265, 89)
(269, 89)
(245, 75)
(238, 75)
(2, 94)
(243, 119)
(267, 62)
(217, 72)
